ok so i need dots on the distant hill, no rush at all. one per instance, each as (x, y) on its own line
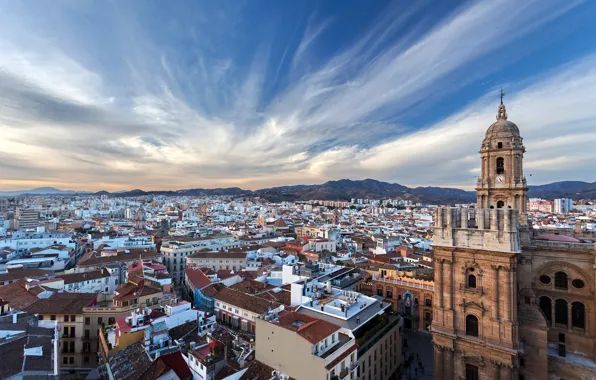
(564, 189)
(344, 190)
(36, 191)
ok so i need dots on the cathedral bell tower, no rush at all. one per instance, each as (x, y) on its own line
(475, 323)
(501, 183)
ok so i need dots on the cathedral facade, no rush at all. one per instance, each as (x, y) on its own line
(510, 303)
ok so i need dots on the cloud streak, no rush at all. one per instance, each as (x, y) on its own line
(188, 110)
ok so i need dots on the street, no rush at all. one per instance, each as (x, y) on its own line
(419, 357)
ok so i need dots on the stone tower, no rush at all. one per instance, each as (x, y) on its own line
(501, 183)
(475, 318)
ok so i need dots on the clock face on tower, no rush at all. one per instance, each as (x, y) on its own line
(500, 179)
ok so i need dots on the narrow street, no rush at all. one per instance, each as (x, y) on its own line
(419, 357)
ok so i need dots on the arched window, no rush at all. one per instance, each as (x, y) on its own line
(471, 325)
(500, 165)
(561, 312)
(471, 281)
(500, 204)
(546, 307)
(578, 315)
(561, 280)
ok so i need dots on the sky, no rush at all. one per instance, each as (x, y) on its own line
(118, 95)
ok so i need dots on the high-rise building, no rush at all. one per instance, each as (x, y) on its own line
(563, 205)
(509, 303)
(26, 219)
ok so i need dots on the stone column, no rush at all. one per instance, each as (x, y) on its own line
(494, 219)
(495, 290)
(439, 374)
(439, 288)
(448, 286)
(448, 358)
(569, 316)
(507, 283)
(496, 371)
(480, 216)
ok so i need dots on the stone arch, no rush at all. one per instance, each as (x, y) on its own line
(572, 271)
(472, 325)
(545, 304)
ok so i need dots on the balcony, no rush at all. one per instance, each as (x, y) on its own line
(344, 373)
(403, 282)
(336, 351)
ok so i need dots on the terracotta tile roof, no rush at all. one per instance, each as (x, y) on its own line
(258, 371)
(18, 273)
(94, 258)
(312, 329)
(84, 276)
(197, 278)
(212, 290)
(17, 295)
(252, 286)
(245, 301)
(62, 303)
(218, 255)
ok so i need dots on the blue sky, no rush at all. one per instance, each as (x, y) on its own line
(168, 95)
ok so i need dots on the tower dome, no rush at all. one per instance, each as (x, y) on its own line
(502, 127)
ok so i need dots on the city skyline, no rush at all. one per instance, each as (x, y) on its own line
(258, 95)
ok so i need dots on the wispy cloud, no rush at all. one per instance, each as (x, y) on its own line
(182, 108)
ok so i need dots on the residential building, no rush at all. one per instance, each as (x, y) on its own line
(305, 347)
(231, 260)
(26, 219)
(241, 310)
(77, 343)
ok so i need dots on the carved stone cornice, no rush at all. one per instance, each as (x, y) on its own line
(473, 305)
(472, 264)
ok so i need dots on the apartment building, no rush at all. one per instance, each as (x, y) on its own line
(304, 347)
(78, 343)
(241, 310)
(232, 260)
(26, 219)
(176, 251)
(377, 329)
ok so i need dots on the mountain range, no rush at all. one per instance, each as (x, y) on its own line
(343, 190)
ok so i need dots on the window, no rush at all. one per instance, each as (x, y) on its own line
(561, 280)
(73, 318)
(561, 312)
(471, 281)
(380, 292)
(471, 325)
(500, 145)
(64, 360)
(545, 305)
(52, 317)
(500, 165)
(86, 359)
(389, 294)
(66, 318)
(500, 204)
(87, 334)
(471, 372)
(87, 320)
(578, 315)
(577, 283)
(71, 360)
(545, 279)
